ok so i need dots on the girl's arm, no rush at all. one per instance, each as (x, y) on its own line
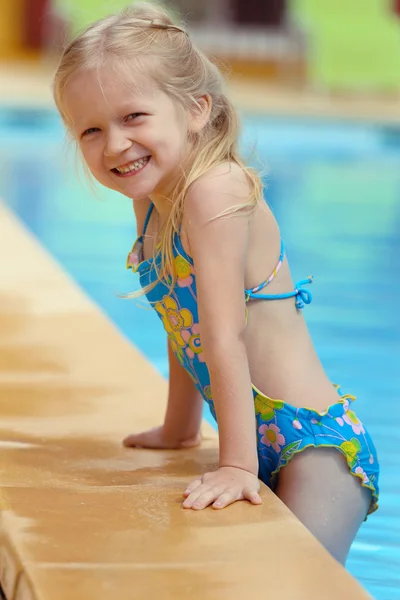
(185, 404)
(218, 247)
(182, 422)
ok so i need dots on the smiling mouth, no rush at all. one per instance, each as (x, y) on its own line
(132, 168)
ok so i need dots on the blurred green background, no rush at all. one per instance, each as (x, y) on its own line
(333, 45)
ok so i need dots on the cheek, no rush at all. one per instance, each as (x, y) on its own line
(93, 161)
(89, 156)
(93, 165)
(174, 143)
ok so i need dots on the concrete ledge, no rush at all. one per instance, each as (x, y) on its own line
(82, 517)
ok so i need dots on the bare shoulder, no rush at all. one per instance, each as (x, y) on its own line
(221, 188)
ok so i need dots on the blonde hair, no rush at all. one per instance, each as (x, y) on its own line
(133, 36)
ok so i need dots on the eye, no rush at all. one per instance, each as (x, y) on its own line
(90, 131)
(133, 116)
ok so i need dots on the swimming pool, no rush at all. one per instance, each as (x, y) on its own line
(335, 190)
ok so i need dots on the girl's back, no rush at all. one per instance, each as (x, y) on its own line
(282, 359)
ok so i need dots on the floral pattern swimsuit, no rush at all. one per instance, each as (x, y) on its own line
(282, 430)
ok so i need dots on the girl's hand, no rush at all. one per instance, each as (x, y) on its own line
(221, 488)
(157, 440)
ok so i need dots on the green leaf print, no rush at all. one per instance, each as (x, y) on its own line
(356, 443)
(266, 407)
(290, 449)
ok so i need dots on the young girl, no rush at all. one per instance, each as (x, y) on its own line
(149, 114)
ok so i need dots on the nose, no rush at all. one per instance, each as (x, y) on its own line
(116, 143)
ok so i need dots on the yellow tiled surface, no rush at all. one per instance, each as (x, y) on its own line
(82, 517)
(263, 97)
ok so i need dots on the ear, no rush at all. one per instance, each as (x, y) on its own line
(200, 113)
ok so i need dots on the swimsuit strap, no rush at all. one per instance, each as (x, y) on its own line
(135, 256)
(302, 295)
(147, 219)
(271, 277)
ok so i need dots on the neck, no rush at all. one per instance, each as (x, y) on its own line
(162, 205)
(161, 198)
(162, 209)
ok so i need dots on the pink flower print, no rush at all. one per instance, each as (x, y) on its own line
(351, 419)
(271, 436)
(340, 421)
(360, 471)
(192, 339)
(132, 260)
(184, 271)
(296, 424)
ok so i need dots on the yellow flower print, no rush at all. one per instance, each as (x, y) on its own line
(351, 419)
(174, 319)
(184, 271)
(350, 449)
(192, 339)
(266, 407)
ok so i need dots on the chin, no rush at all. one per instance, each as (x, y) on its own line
(138, 195)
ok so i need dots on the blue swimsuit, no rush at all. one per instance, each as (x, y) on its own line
(282, 429)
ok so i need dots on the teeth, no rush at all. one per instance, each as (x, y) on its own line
(133, 166)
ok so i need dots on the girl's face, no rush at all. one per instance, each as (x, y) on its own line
(133, 142)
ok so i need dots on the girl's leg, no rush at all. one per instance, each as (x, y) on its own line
(318, 488)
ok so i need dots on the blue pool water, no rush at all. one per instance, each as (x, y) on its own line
(335, 190)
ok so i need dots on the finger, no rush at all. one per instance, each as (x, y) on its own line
(195, 495)
(192, 497)
(252, 495)
(193, 485)
(205, 499)
(225, 499)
